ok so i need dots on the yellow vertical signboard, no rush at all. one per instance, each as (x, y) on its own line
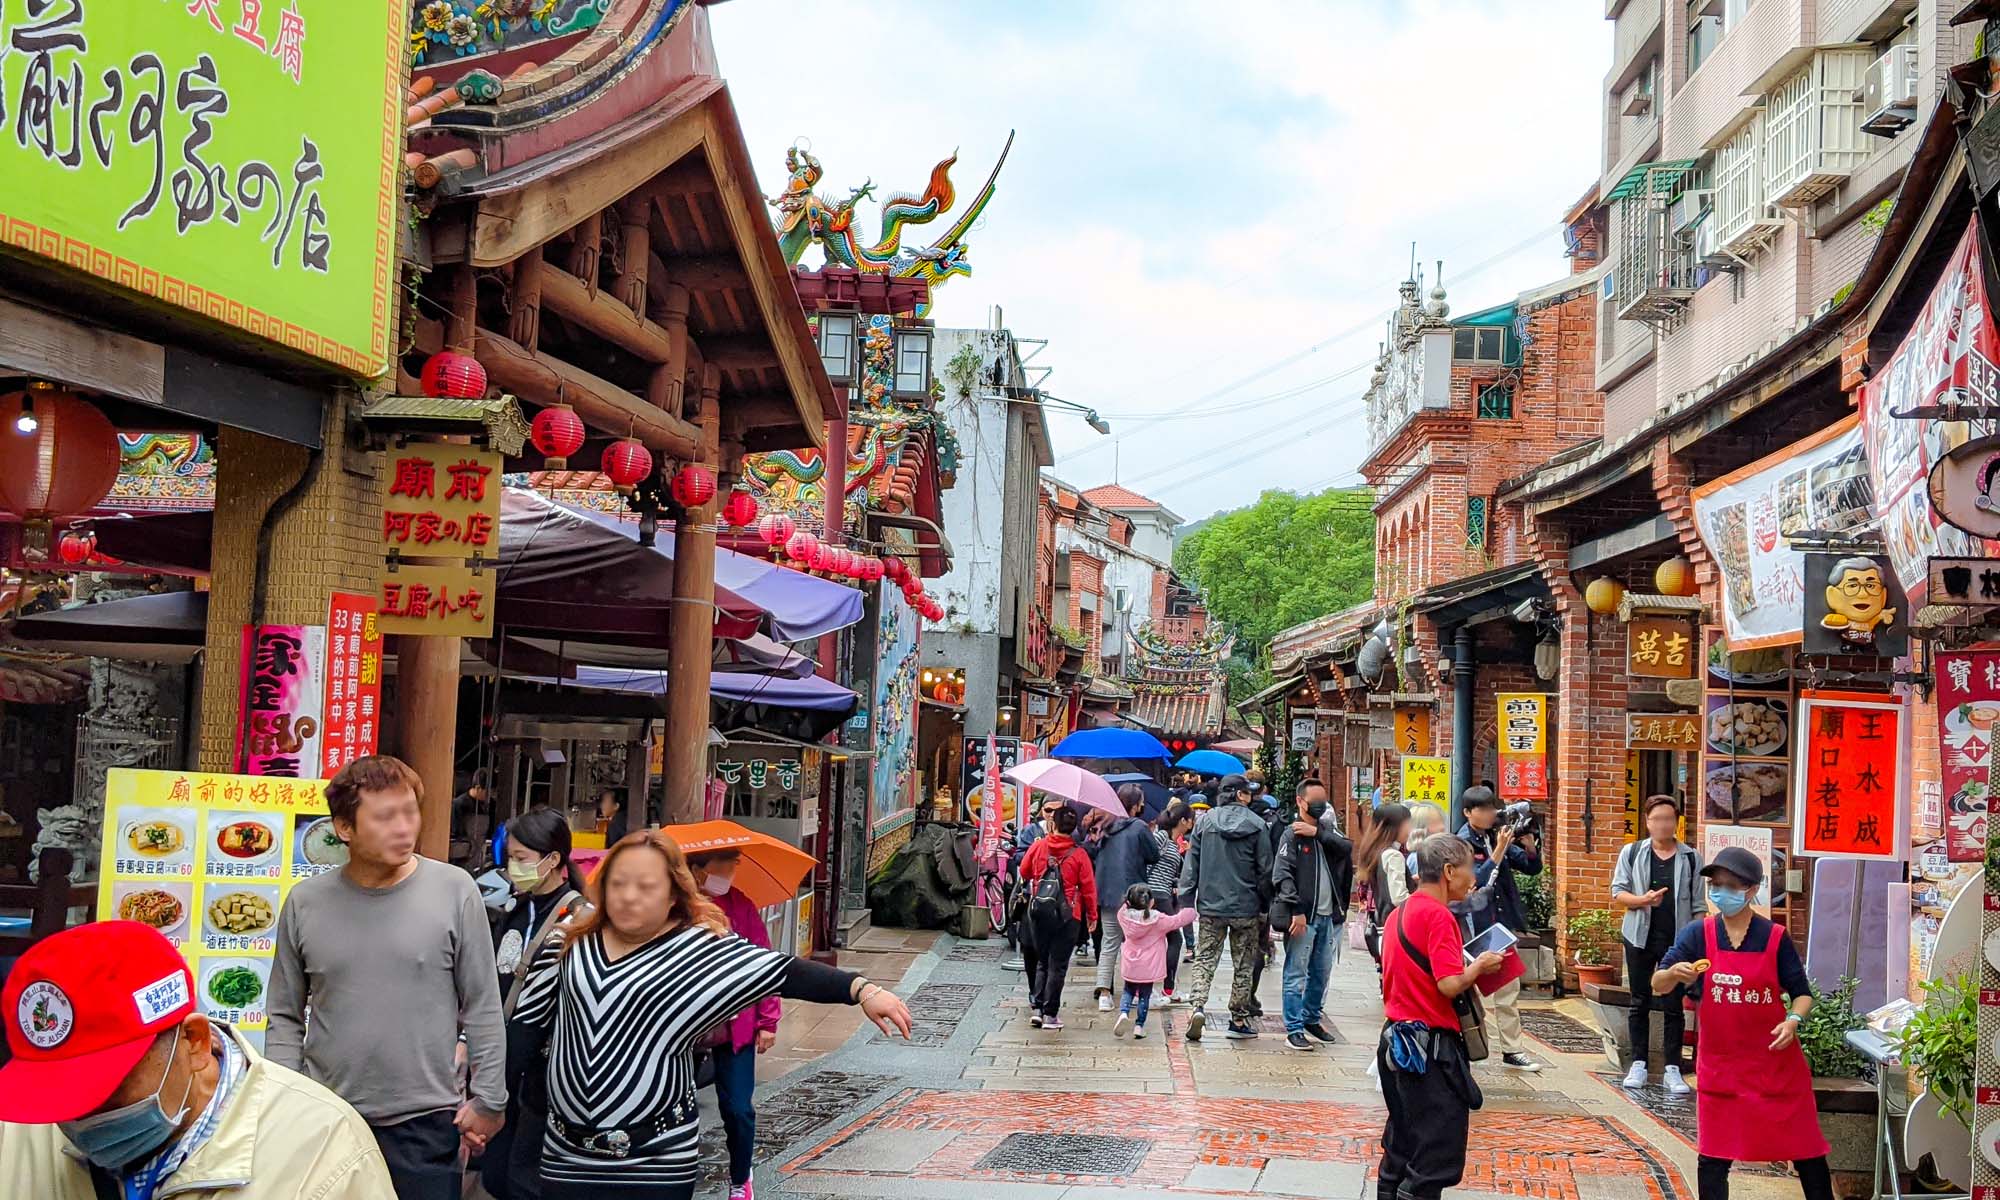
(208, 860)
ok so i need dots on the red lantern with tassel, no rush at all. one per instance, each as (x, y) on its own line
(871, 569)
(896, 569)
(450, 373)
(694, 486)
(800, 546)
(775, 528)
(740, 509)
(627, 463)
(557, 432)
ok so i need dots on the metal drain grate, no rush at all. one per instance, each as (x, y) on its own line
(1065, 1154)
(936, 1009)
(1562, 1033)
(788, 1116)
(975, 952)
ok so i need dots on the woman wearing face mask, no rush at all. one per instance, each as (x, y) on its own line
(633, 989)
(747, 1034)
(1754, 1087)
(548, 889)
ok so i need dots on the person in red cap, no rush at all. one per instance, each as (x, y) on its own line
(120, 1087)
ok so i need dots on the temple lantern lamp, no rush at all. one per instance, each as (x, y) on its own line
(626, 462)
(59, 457)
(776, 529)
(557, 432)
(840, 346)
(453, 374)
(1675, 577)
(1603, 595)
(694, 486)
(800, 547)
(912, 373)
(740, 509)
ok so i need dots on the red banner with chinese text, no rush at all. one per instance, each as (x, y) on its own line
(353, 681)
(1851, 778)
(1968, 709)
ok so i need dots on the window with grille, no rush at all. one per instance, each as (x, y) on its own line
(1496, 401)
(1739, 182)
(1475, 521)
(1479, 343)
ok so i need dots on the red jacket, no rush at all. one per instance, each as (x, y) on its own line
(1079, 880)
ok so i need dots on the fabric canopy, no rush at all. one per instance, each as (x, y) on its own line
(573, 571)
(740, 687)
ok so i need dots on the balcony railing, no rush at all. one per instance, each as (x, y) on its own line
(1655, 273)
(1813, 138)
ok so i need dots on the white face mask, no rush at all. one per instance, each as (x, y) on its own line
(716, 885)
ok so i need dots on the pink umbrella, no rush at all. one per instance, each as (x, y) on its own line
(1069, 781)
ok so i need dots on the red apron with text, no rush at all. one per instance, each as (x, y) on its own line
(1753, 1104)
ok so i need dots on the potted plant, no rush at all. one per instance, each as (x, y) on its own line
(1940, 1045)
(1846, 1104)
(1590, 931)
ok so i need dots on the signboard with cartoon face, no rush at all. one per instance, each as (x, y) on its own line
(1854, 605)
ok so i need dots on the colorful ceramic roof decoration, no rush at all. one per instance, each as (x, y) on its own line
(162, 471)
(1178, 688)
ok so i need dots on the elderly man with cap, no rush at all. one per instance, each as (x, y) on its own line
(1753, 1089)
(119, 1087)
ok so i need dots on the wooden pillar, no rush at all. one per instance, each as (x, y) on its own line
(524, 323)
(427, 720)
(665, 388)
(634, 249)
(691, 631)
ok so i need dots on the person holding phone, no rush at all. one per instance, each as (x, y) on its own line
(1753, 1087)
(1655, 882)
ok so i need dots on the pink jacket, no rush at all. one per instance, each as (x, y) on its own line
(1143, 957)
(748, 923)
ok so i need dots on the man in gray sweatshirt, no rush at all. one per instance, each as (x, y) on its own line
(392, 956)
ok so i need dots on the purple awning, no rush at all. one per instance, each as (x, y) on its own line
(739, 687)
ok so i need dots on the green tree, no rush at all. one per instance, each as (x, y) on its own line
(1284, 560)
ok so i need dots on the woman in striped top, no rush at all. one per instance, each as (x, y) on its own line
(1173, 825)
(626, 997)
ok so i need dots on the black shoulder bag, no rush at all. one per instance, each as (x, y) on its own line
(1471, 1013)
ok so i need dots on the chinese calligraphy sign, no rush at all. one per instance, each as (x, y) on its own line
(440, 501)
(1968, 708)
(1850, 784)
(1663, 731)
(1412, 729)
(1968, 581)
(1426, 780)
(1523, 732)
(281, 697)
(1660, 647)
(239, 159)
(353, 688)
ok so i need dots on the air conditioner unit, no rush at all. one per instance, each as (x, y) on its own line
(1889, 92)
(1688, 209)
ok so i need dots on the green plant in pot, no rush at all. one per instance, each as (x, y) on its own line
(1590, 932)
(1823, 1034)
(1941, 1043)
(1538, 900)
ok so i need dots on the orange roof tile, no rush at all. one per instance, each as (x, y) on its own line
(1110, 495)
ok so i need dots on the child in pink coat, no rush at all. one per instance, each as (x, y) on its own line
(1142, 960)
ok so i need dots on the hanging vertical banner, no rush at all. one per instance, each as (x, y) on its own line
(353, 682)
(1632, 821)
(1968, 710)
(1951, 347)
(1524, 720)
(989, 812)
(281, 695)
(1852, 791)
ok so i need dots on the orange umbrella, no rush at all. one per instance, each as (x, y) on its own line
(771, 870)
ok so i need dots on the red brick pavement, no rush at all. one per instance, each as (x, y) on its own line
(1511, 1153)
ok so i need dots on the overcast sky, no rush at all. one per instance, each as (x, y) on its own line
(1207, 208)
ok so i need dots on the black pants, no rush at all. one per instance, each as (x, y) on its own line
(1423, 1144)
(599, 1191)
(1712, 1178)
(1055, 941)
(1167, 904)
(510, 1168)
(735, 1088)
(422, 1156)
(1639, 968)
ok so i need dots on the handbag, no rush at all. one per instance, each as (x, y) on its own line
(1471, 1013)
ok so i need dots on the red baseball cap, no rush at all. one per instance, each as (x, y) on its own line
(82, 1008)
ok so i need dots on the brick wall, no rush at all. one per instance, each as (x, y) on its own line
(328, 542)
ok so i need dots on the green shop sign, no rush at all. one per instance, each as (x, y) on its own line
(235, 158)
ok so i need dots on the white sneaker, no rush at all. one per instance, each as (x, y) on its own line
(1675, 1083)
(1139, 1032)
(1104, 1002)
(1636, 1077)
(1123, 1025)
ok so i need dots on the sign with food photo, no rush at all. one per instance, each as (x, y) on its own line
(1746, 739)
(208, 861)
(1968, 708)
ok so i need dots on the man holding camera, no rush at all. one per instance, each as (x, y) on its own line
(1500, 850)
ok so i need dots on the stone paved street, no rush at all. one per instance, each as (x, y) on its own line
(980, 1098)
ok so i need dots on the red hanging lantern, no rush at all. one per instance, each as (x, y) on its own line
(694, 486)
(800, 546)
(627, 463)
(76, 548)
(843, 561)
(775, 528)
(821, 558)
(58, 453)
(871, 568)
(740, 509)
(895, 568)
(557, 432)
(450, 373)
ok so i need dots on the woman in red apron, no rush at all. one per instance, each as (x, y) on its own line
(1753, 1090)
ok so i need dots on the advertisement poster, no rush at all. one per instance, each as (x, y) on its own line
(281, 694)
(353, 682)
(1854, 605)
(208, 861)
(894, 781)
(1968, 708)
(1951, 346)
(1427, 781)
(1747, 517)
(1758, 841)
(1746, 759)
(1524, 721)
(1852, 790)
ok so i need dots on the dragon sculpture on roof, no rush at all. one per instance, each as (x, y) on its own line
(804, 217)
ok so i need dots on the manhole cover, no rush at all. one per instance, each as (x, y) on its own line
(787, 1116)
(936, 1009)
(1562, 1033)
(1065, 1154)
(975, 952)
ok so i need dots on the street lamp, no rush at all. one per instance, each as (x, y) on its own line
(913, 362)
(838, 346)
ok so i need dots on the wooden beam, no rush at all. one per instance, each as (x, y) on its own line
(634, 255)
(543, 380)
(739, 352)
(701, 273)
(586, 250)
(603, 314)
(746, 413)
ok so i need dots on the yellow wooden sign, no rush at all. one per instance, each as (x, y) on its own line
(437, 600)
(1426, 780)
(441, 500)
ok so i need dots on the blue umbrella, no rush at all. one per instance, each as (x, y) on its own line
(1110, 743)
(1210, 762)
(1156, 792)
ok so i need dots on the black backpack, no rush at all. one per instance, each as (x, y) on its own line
(1050, 901)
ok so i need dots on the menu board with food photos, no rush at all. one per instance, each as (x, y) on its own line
(208, 861)
(1746, 759)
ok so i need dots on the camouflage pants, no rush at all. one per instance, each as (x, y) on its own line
(1243, 934)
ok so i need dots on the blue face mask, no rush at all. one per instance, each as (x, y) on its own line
(117, 1139)
(1727, 901)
